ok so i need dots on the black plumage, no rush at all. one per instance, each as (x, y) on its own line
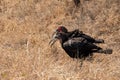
(77, 47)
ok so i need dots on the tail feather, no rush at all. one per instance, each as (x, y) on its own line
(107, 51)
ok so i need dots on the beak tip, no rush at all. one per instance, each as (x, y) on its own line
(51, 43)
(53, 40)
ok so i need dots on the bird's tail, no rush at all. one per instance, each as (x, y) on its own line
(107, 51)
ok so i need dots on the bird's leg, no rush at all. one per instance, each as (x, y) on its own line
(81, 60)
(81, 63)
(77, 56)
(90, 57)
(74, 56)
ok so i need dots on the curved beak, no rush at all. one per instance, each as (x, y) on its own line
(53, 39)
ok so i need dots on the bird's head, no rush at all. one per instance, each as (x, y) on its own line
(62, 29)
(56, 36)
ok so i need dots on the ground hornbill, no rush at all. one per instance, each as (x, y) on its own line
(76, 44)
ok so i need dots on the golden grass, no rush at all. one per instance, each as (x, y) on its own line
(25, 30)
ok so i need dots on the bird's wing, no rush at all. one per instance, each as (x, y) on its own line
(75, 42)
(76, 33)
(71, 46)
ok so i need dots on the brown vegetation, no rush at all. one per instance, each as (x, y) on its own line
(25, 30)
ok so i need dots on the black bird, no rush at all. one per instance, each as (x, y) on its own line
(77, 47)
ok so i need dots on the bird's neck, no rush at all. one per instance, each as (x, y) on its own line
(63, 39)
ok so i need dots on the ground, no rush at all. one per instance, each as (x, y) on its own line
(27, 25)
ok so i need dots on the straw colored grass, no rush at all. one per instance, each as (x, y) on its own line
(27, 25)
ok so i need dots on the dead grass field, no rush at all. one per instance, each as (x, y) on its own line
(25, 30)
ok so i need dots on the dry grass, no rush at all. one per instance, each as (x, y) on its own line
(25, 30)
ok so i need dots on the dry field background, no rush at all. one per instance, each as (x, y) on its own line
(25, 30)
